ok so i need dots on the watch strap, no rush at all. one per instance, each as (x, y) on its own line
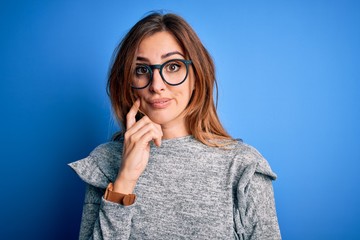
(123, 199)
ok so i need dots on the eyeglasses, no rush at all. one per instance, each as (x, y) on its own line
(173, 72)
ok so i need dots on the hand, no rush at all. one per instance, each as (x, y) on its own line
(136, 151)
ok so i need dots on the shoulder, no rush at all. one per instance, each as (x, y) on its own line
(108, 150)
(101, 166)
(248, 157)
(244, 158)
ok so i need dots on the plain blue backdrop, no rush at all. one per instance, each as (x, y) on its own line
(289, 84)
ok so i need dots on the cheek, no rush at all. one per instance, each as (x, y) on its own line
(191, 87)
(191, 80)
(186, 94)
(139, 94)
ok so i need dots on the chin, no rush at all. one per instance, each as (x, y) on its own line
(158, 120)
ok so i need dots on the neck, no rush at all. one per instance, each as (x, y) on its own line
(175, 131)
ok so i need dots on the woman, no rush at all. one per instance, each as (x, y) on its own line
(174, 172)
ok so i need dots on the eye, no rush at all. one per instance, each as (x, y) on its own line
(141, 70)
(172, 67)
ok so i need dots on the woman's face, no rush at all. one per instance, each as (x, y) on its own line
(162, 103)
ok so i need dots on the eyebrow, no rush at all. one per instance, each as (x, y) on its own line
(166, 55)
(171, 53)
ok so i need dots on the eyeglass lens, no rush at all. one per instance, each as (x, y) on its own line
(173, 72)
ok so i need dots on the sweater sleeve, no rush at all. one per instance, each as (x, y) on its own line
(262, 220)
(102, 219)
(254, 210)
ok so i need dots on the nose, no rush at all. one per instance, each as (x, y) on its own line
(157, 84)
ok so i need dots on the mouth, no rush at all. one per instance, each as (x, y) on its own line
(160, 103)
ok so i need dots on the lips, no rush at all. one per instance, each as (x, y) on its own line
(160, 103)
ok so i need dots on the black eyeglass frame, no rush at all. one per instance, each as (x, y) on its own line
(160, 67)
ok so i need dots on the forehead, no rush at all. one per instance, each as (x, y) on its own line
(158, 45)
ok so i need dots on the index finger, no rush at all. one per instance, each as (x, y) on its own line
(130, 117)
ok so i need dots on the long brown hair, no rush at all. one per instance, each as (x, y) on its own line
(200, 114)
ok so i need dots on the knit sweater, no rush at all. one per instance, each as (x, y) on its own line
(187, 191)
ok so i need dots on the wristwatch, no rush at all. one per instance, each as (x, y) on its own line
(123, 199)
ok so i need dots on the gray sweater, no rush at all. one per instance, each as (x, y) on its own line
(187, 191)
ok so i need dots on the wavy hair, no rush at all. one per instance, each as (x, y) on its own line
(200, 115)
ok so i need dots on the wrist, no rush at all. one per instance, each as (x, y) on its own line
(123, 185)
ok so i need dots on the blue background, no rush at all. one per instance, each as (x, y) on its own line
(289, 82)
